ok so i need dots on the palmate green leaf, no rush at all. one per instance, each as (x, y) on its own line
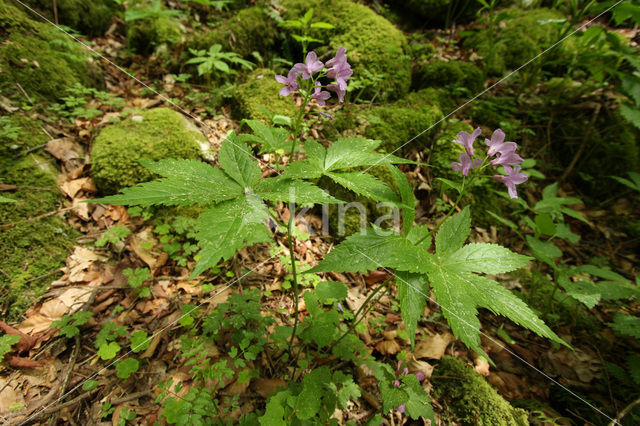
(486, 258)
(453, 233)
(227, 227)
(183, 183)
(412, 289)
(583, 291)
(236, 160)
(458, 306)
(364, 184)
(419, 235)
(297, 191)
(374, 249)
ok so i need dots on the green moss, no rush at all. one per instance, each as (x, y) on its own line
(251, 30)
(154, 135)
(43, 61)
(31, 252)
(469, 399)
(374, 46)
(393, 123)
(260, 93)
(521, 36)
(92, 18)
(145, 35)
(448, 73)
(436, 13)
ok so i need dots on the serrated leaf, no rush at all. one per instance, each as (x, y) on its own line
(139, 341)
(322, 326)
(543, 250)
(236, 160)
(406, 196)
(366, 185)
(458, 307)
(631, 113)
(289, 190)
(272, 139)
(633, 365)
(330, 291)
(184, 183)
(453, 233)
(227, 227)
(373, 250)
(309, 402)
(486, 258)
(626, 325)
(583, 291)
(412, 289)
(420, 234)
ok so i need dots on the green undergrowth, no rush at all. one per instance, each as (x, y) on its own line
(258, 99)
(92, 18)
(31, 252)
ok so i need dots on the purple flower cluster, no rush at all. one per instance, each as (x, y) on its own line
(504, 154)
(419, 375)
(337, 68)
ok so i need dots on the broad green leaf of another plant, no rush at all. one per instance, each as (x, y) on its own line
(126, 367)
(6, 342)
(6, 200)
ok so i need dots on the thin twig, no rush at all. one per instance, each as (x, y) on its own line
(624, 412)
(33, 219)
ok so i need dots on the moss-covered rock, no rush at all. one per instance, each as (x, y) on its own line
(154, 135)
(376, 49)
(448, 74)
(91, 18)
(258, 98)
(436, 13)
(521, 36)
(394, 123)
(469, 399)
(30, 252)
(42, 60)
(147, 34)
(251, 30)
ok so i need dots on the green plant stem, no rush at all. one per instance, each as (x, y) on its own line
(295, 276)
(354, 324)
(291, 225)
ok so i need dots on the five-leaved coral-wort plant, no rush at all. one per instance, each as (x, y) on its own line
(236, 196)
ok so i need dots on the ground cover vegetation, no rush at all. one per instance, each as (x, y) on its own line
(319, 212)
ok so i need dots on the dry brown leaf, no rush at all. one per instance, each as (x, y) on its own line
(482, 366)
(67, 150)
(433, 347)
(25, 343)
(8, 396)
(414, 365)
(20, 362)
(265, 387)
(388, 347)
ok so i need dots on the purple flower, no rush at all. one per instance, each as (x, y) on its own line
(290, 82)
(339, 91)
(498, 145)
(466, 140)
(508, 158)
(466, 164)
(514, 177)
(311, 65)
(321, 96)
(339, 68)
